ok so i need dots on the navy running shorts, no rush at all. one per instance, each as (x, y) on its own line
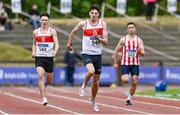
(95, 60)
(132, 69)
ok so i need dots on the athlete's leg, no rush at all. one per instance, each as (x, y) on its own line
(94, 90)
(125, 78)
(41, 72)
(125, 73)
(49, 78)
(95, 85)
(89, 73)
(134, 79)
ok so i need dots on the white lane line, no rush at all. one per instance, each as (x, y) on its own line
(80, 100)
(4, 113)
(34, 101)
(142, 102)
(106, 105)
(160, 98)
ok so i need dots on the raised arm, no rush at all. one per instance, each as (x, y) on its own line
(104, 38)
(117, 51)
(78, 27)
(56, 43)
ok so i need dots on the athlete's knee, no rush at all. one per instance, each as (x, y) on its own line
(96, 82)
(125, 79)
(40, 75)
(134, 83)
(91, 72)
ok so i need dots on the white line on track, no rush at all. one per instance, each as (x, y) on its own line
(160, 98)
(106, 105)
(80, 100)
(4, 113)
(142, 102)
(34, 101)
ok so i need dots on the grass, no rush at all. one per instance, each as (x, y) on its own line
(13, 53)
(122, 21)
(170, 93)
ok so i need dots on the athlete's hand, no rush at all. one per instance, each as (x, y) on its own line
(33, 55)
(54, 54)
(70, 47)
(116, 66)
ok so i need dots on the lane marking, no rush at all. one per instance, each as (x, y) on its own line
(142, 102)
(4, 113)
(80, 100)
(160, 98)
(34, 101)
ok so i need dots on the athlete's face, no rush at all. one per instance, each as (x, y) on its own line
(44, 20)
(131, 29)
(94, 14)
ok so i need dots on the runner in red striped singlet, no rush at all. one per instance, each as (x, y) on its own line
(130, 47)
(94, 37)
(45, 47)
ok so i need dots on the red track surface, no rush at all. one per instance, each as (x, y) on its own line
(63, 100)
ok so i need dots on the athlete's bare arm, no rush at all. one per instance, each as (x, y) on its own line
(117, 51)
(78, 27)
(34, 43)
(141, 50)
(104, 38)
(56, 43)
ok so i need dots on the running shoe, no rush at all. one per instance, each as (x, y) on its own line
(94, 105)
(82, 91)
(44, 102)
(128, 102)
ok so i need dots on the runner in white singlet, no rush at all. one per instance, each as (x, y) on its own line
(94, 36)
(45, 47)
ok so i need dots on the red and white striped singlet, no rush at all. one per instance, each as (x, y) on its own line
(130, 55)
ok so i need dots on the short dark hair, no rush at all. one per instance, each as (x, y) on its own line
(130, 23)
(94, 7)
(44, 14)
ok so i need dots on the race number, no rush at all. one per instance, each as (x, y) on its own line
(131, 53)
(94, 41)
(42, 47)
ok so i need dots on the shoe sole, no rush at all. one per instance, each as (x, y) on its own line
(128, 102)
(44, 104)
(80, 94)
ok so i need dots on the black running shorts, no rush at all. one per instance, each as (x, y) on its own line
(45, 62)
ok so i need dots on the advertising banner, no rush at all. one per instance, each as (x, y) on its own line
(172, 5)
(65, 6)
(172, 75)
(121, 6)
(28, 75)
(16, 6)
(149, 74)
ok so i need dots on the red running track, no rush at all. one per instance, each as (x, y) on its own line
(65, 100)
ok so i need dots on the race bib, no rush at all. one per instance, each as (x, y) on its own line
(42, 47)
(131, 53)
(94, 41)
